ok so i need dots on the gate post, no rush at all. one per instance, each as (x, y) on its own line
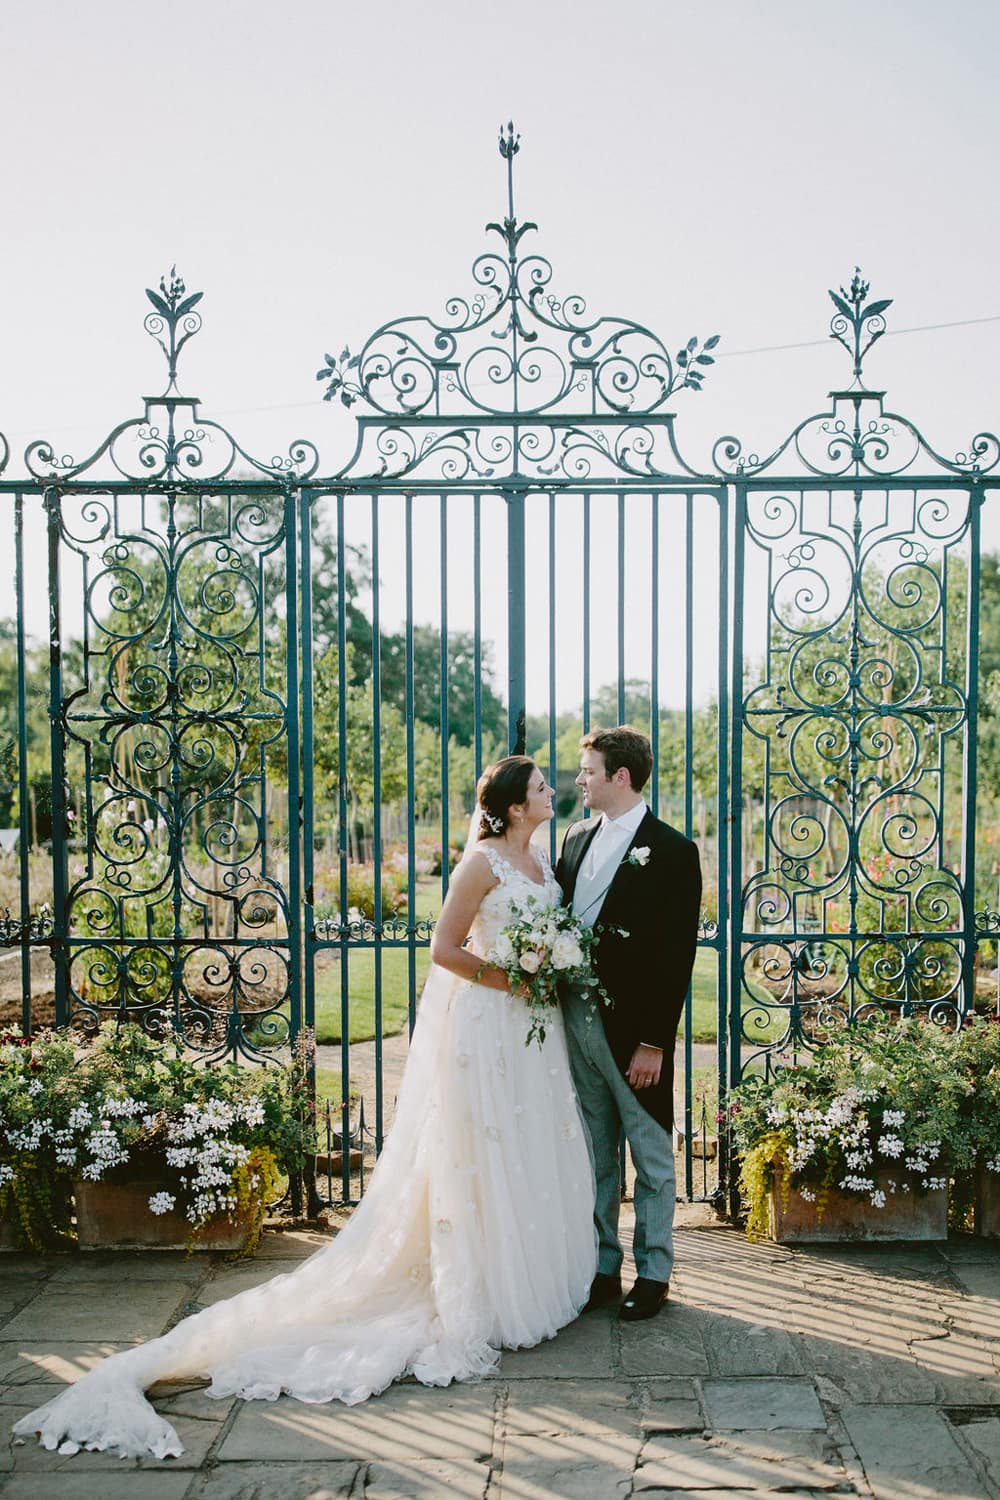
(515, 623)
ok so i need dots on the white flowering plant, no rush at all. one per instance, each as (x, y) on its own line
(881, 1107)
(39, 1095)
(979, 1056)
(542, 948)
(126, 1105)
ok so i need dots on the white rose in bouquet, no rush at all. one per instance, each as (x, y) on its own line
(503, 949)
(531, 961)
(566, 952)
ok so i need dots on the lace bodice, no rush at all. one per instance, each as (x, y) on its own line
(514, 889)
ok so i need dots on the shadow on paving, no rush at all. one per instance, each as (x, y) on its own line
(865, 1370)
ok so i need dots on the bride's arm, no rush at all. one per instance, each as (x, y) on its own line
(469, 884)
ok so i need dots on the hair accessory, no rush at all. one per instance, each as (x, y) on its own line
(492, 822)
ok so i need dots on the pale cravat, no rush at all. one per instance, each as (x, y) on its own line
(604, 855)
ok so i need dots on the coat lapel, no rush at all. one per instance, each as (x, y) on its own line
(574, 856)
(643, 835)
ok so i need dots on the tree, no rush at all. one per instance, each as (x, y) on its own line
(463, 671)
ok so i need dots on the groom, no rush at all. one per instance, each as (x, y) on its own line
(625, 872)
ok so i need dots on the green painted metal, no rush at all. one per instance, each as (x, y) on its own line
(860, 723)
(210, 709)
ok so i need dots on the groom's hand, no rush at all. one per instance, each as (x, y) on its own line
(644, 1069)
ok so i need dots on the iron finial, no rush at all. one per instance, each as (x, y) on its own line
(510, 145)
(857, 324)
(173, 320)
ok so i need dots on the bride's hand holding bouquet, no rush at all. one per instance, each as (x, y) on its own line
(543, 947)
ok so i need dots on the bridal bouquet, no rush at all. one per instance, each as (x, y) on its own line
(543, 947)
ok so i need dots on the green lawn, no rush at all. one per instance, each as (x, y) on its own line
(395, 994)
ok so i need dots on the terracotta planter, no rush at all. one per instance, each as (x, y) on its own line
(987, 1203)
(117, 1216)
(906, 1216)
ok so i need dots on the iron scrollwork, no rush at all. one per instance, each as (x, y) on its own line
(857, 436)
(566, 389)
(859, 902)
(171, 441)
(176, 916)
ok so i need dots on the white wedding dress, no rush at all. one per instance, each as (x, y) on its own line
(476, 1233)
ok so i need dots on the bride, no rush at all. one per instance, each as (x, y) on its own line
(476, 1232)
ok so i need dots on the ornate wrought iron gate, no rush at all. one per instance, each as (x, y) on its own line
(270, 691)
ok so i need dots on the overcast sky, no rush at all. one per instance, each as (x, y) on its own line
(317, 168)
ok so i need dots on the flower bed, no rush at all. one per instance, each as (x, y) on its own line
(210, 1139)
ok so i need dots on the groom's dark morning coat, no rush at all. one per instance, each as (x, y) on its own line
(647, 973)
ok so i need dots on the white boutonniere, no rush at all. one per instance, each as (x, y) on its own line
(639, 856)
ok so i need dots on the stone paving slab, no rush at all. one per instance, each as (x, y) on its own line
(757, 1405)
(673, 1343)
(30, 1362)
(141, 1313)
(980, 1279)
(670, 1406)
(742, 1348)
(405, 1422)
(271, 1481)
(540, 1407)
(908, 1450)
(104, 1268)
(584, 1348)
(755, 1462)
(427, 1480)
(124, 1484)
(983, 1437)
(565, 1468)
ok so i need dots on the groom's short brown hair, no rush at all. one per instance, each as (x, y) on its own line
(622, 747)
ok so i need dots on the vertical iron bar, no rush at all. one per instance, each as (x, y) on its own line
(377, 814)
(60, 914)
(736, 817)
(306, 498)
(516, 696)
(585, 605)
(621, 607)
(728, 610)
(477, 628)
(970, 752)
(688, 819)
(23, 821)
(329, 1152)
(654, 647)
(553, 767)
(293, 895)
(293, 891)
(443, 582)
(411, 853)
(342, 839)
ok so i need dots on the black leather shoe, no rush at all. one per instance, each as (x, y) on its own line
(644, 1300)
(604, 1288)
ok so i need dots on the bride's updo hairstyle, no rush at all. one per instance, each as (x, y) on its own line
(500, 788)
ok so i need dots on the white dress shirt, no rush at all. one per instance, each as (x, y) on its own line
(605, 853)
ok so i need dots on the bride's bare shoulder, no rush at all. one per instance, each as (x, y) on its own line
(478, 867)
